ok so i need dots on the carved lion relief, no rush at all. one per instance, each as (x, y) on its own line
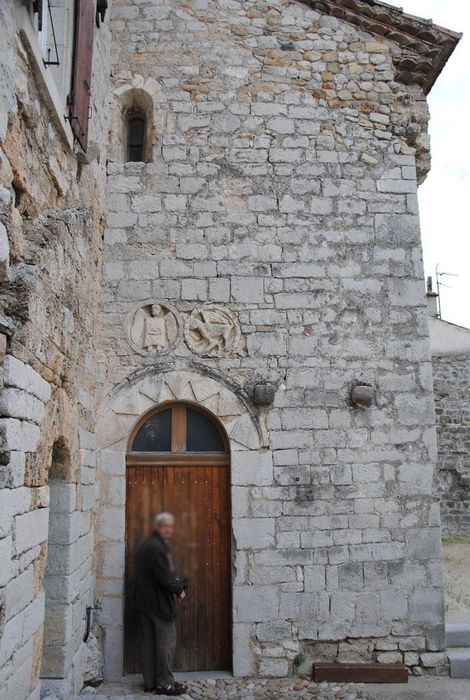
(154, 328)
(211, 330)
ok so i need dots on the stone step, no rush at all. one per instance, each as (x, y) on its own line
(459, 659)
(458, 634)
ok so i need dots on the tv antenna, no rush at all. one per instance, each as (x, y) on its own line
(440, 284)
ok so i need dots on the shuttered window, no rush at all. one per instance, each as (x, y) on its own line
(82, 61)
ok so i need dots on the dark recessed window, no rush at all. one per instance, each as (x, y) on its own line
(135, 138)
(202, 435)
(179, 430)
(155, 434)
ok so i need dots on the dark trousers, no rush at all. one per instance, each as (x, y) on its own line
(158, 650)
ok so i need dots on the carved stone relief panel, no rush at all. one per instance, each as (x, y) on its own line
(211, 330)
(154, 328)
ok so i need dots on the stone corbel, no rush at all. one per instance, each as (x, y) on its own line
(264, 394)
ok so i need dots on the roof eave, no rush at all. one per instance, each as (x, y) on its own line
(423, 48)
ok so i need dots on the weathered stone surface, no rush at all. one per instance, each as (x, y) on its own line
(254, 533)
(4, 253)
(31, 529)
(93, 662)
(19, 435)
(276, 219)
(452, 399)
(51, 220)
(431, 660)
(22, 376)
(18, 404)
(254, 604)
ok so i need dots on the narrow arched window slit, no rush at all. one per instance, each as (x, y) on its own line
(136, 128)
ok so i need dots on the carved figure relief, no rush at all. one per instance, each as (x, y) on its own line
(154, 328)
(211, 330)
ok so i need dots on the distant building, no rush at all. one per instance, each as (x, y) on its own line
(450, 348)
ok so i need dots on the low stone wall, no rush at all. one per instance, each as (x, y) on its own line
(452, 480)
(410, 651)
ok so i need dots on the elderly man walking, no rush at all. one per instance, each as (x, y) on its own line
(157, 591)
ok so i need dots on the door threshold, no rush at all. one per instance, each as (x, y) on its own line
(203, 675)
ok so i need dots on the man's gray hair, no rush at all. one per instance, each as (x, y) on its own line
(161, 517)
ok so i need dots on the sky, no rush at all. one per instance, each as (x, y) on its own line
(444, 197)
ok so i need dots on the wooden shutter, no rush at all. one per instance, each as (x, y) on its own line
(81, 81)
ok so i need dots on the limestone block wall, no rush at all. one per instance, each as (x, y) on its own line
(282, 189)
(24, 523)
(51, 212)
(452, 398)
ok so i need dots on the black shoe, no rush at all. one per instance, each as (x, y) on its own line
(175, 689)
(181, 685)
(148, 690)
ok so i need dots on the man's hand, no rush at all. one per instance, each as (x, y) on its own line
(182, 596)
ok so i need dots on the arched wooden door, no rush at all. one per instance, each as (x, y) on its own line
(179, 462)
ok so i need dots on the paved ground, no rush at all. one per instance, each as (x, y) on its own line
(457, 580)
(240, 689)
(422, 689)
(294, 689)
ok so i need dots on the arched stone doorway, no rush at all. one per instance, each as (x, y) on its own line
(250, 465)
(178, 460)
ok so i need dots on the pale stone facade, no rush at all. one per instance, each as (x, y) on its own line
(272, 236)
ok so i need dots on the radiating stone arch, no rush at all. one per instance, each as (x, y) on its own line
(148, 388)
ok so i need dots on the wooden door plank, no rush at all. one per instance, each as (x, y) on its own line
(128, 645)
(205, 656)
(225, 571)
(180, 546)
(216, 592)
(197, 478)
(140, 533)
(194, 501)
(186, 622)
(199, 497)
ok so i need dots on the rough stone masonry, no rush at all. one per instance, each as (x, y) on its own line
(52, 212)
(282, 187)
(278, 204)
(452, 398)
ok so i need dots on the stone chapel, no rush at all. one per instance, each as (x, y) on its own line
(213, 303)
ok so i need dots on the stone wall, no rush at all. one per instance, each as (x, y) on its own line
(52, 217)
(283, 192)
(452, 398)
